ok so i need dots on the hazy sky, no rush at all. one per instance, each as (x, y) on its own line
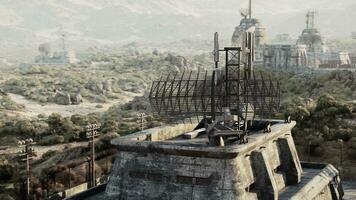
(31, 22)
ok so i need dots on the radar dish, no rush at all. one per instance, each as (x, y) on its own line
(244, 12)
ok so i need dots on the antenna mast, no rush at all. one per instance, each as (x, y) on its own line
(250, 9)
(311, 19)
(63, 38)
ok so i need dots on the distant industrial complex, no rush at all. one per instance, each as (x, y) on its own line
(310, 50)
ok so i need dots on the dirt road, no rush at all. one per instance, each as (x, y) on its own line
(33, 108)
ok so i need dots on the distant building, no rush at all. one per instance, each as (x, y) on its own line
(335, 60)
(287, 57)
(62, 57)
(283, 38)
(56, 58)
(313, 41)
(249, 24)
(353, 35)
(309, 51)
(276, 56)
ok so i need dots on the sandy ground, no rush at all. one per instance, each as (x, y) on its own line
(33, 108)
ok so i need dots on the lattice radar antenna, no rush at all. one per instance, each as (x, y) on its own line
(209, 94)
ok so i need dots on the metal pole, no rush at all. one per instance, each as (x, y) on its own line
(309, 144)
(93, 159)
(250, 9)
(341, 158)
(27, 173)
(213, 96)
(89, 173)
(227, 78)
(141, 121)
(106, 165)
(69, 176)
(238, 88)
(91, 134)
(25, 155)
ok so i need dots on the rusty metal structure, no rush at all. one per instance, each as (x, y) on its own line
(207, 93)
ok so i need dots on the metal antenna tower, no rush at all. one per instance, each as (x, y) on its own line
(310, 19)
(250, 9)
(63, 37)
(204, 94)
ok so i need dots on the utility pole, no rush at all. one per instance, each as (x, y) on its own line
(309, 149)
(92, 133)
(25, 155)
(341, 156)
(141, 120)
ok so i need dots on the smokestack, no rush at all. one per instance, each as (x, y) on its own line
(250, 9)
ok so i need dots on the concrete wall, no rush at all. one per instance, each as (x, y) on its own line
(160, 133)
(285, 57)
(259, 173)
(266, 168)
(75, 190)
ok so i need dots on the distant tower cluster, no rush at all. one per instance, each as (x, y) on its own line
(309, 51)
(250, 24)
(313, 41)
(311, 19)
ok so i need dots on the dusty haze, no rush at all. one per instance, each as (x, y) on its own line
(26, 24)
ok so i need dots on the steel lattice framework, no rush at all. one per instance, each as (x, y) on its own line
(207, 93)
(196, 94)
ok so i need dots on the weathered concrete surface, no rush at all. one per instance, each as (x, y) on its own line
(159, 164)
(315, 184)
(190, 169)
(157, 134)
(76, 190)
(350, 190)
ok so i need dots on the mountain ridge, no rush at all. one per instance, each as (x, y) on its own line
(29, 23)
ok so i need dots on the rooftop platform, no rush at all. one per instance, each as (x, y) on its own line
(170, 139)
(161, 163)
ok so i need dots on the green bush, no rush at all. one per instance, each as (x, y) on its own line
(352, 153)
(109, 126)
(343, 134)
(6, 172)
(49, 154)
(51, 140)
(6, 197)
(325, 101)
(353, 143)
(301, 113)
(318, 151)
